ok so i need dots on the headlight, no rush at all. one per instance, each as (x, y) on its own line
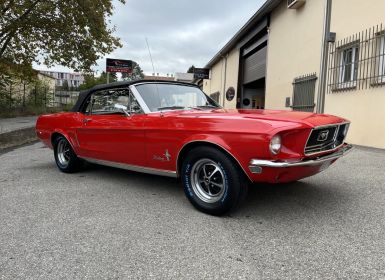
(275, 144)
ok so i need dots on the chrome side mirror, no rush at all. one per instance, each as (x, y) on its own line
(122, 108)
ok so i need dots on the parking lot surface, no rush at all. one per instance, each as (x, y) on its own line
(111, 223)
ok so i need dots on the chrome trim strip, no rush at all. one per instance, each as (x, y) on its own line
(332, 124)
(134, 168)
(139, 98)
(165, 82)
(275, 164)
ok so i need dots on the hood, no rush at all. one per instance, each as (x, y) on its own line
(310, 119)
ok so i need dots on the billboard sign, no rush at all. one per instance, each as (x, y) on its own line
(118, 65)
(201, 73)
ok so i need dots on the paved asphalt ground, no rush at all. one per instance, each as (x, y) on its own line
(11, 124)
(110, 223)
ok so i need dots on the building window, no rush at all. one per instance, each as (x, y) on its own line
(348, 66)
(380, 75)
(358, 61)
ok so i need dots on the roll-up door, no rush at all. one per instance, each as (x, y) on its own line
(255, 66)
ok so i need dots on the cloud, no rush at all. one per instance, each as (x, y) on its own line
(180, 33)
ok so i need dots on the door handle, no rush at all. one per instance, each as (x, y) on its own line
(85, 121)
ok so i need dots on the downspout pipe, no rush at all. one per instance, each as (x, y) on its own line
(324, 58)
(224, 80)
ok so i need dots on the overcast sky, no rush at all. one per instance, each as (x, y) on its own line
(180, 32)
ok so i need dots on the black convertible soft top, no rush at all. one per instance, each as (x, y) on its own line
(86, 93)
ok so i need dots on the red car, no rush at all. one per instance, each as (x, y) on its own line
(174, 129)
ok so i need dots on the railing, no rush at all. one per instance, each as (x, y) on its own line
(289, 2)
(358, 61)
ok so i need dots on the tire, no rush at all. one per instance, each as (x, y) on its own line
(212, 181)
(65, 157)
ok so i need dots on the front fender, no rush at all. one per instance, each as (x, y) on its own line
(226, 144)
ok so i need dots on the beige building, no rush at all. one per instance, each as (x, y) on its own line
(70, 80)
(274, 62)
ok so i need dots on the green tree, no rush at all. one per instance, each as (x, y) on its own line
(11, 75)
(113, 77)
(90, 80)
(70, 33)
(191, 69)
(137, 73)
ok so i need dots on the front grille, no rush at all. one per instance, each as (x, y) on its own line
(326, 138)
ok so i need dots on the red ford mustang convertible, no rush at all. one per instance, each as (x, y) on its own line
(174, 129)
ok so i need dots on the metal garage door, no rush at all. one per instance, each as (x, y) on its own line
(255, 66)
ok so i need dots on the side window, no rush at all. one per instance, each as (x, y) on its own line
(134, 107)
(113, 101)
(349, 57)
(88, 106)
(381, 58)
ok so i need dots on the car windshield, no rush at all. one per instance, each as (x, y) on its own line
(174, 96)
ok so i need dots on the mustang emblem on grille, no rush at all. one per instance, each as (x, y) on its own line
(323, 136)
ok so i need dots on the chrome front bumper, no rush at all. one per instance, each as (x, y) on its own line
(256, 165)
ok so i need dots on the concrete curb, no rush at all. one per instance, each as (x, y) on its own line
(17, 137)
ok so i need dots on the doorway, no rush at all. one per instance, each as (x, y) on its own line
(254, 95)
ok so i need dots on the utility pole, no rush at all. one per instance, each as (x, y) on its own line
(324, 58)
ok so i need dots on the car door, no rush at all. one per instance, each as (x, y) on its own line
(110, 131)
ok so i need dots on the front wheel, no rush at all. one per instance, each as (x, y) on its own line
(65, 157)
(212, 181)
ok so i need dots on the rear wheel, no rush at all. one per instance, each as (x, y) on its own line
(212, 182)
(65, 157)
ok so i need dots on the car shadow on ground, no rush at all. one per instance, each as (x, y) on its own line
(311, 195)
(294, 198)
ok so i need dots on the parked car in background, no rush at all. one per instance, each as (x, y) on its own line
(174, 129)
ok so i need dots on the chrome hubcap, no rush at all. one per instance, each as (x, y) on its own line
(63, 152)
(208, 181)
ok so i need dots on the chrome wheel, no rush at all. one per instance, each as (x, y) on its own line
(63, 152)
(208, 181)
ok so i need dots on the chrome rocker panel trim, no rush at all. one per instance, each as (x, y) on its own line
(256, 165)
(134, 168)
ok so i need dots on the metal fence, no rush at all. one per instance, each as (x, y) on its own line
(303, 93)
(358, 61)
(25, 97)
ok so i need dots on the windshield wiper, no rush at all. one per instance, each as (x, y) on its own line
(208, 106)
(182, 107)
(171, 108)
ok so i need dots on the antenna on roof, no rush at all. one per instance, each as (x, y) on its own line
(149, 52)
(153, 70)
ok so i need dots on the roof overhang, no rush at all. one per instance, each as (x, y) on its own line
(266, 9)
